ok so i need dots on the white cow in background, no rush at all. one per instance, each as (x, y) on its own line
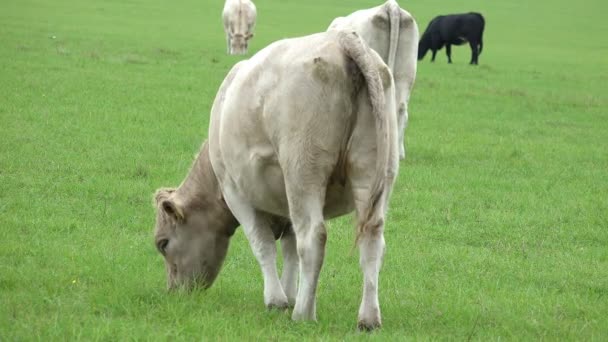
(393, 33)
(239, 20)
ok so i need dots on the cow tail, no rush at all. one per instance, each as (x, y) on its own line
(480, 42)
(483, 27)
(394, 13)
(354, 47)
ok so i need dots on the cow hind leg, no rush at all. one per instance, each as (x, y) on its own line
(402, 120)
(448, 52)
(257, 228)
(361, 162)
(370, 242)
(308, 156)
(306, 171)
(370, 233)
(371, 250)
(474, 51)
(307, 216)
(289, 277)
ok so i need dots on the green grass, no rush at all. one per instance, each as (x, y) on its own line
(499, 220)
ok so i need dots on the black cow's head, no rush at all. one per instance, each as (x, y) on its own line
(423, 46)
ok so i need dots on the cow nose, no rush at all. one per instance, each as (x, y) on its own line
(161, 245)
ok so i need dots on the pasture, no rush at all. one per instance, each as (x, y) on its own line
(498, 227)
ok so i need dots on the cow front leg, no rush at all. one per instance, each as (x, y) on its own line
(289, 277)
(257, 228)
(433, 56)
(448, 52)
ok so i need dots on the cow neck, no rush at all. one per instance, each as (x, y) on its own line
(201, 191)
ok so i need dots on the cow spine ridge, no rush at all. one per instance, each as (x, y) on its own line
(360, 54)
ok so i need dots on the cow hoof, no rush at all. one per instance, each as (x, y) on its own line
(303, 317)
(277, 306)
(368, 326)
(369, 319)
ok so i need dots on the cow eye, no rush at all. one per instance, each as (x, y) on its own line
(161, 245)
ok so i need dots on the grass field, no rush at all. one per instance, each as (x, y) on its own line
(499, 220)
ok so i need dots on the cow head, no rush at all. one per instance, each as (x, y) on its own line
(239, 43)
(193, 227)
(192, 239)
(423, 46)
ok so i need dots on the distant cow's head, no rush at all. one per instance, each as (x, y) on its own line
(239, 43)
(193, 230)
(423, 46)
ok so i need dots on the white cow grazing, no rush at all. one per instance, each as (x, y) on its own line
(302, 132)
(239, 20)
(393, 33)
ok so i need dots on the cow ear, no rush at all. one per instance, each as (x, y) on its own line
(173, 209)
(162, 194)
(249, 36)
(380, 20)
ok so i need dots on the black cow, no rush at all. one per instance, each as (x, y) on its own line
(453, 29)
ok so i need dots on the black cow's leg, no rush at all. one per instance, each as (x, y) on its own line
(474, 51)
(448, 51)
(433, 57)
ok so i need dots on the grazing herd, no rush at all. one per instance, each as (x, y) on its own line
(305, 130)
